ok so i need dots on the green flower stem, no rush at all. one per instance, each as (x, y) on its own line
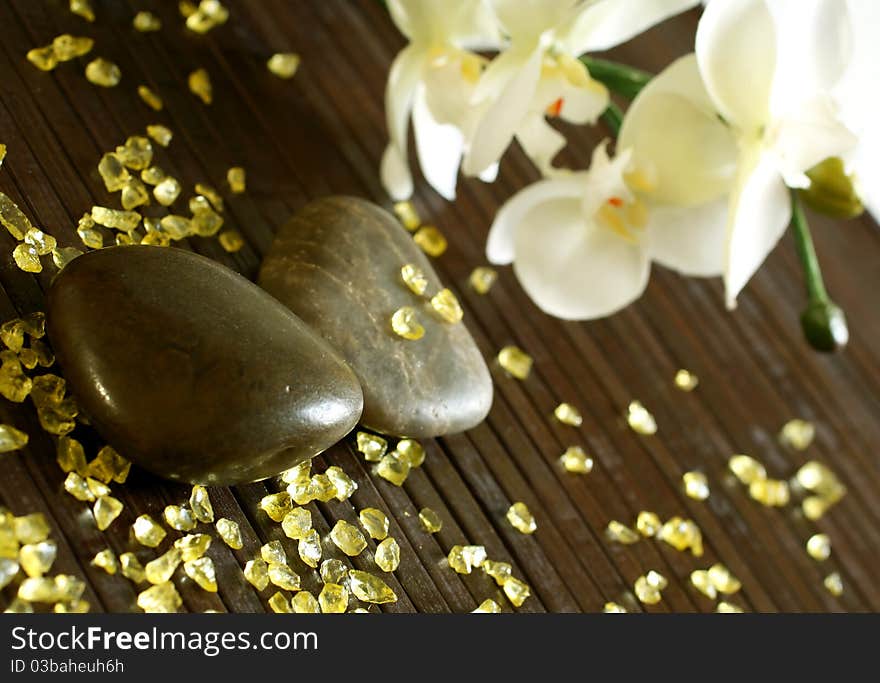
(823, 322)
(613, 117)
(619, 78)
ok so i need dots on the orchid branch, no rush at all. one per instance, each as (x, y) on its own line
(619, 78)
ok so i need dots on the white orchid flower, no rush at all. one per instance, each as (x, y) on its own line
(582, 244)
(858, 96)
(767, 68)
(539, 73)
(432, 79)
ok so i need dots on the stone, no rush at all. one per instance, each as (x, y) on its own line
(337, 264)
(163, 347)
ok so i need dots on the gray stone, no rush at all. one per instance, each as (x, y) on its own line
(193, 372)
(336, 264)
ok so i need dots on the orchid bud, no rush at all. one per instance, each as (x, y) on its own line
(824, 326)
(831, 190)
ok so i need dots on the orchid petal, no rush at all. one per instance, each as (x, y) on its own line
(676, 139)
(439, 146)
(540, 141)
(736, 52)
(531, 18)
(500, 245)
(689, 239)
(573, 269)
(760, 211)
(394, 172)
(602, 25)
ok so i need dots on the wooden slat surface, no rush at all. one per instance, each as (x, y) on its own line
(323, 132)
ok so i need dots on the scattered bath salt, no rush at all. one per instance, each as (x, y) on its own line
(103, 73)
(200, 85)
(284, 64)
(686, 380)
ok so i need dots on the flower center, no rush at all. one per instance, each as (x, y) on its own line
(623, 216)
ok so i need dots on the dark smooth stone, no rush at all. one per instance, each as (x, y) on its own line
(336, 264)
(193, 372)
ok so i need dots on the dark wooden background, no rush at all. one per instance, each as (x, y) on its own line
(323, 132)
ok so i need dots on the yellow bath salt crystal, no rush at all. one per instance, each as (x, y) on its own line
(682, 534)
(568, 414)
(280, 604)
(109, 466)
(206, 223)
(192, 546)
(725, 607)
(746, 469)
(613, 608)
(411, 451)
(163, 567)
(237, 179)
(150, 98)
(211, 195)
(160, 599)
(393, 469)
(273, 553)
(38, 589)
(44, 355)
(372, 446)
(296, 523)
(305, 603)
(146, 21)
(160, 134)
(36, 559)
(702, 582)
(200, 504)
(148, 531)
(126, 221)
(834, 584)
(69, 47)
(231, 241)
(814, 507)
(176, 227)
(256, 572)
(77, 487)
(818, 478)
(103, 73)
(723, 580)
(8, 571)
(344, 485)
(430, 240)
(696, 485)
(640, 420)
(284, 577)
(301, 492)
(576, 461)
(136, 153)
(348, 538)
(167, 191)
(321, 488)
(11, 439)
(113, 172)
(70, 455)
(179, 518)
(72, 607)
(107, 508)
(447, 307)
(516, 591)
(819, 547)
(39, 240)
(14, 384)
(230, 532)
(482, 278)
(770, 492)
(488, 606)
(199, 203)
(797, 434)
(106, 560)
(515, 361)
(12, 218)
(12, 334)
(521, 518)
(333, 598)
(43, 58)
(621, 533)
(284, 64)
(645, 592)
(200, 85)
(82, 8)
(309, 548)
(152, 176)
(369, 588)
(686, 380)
(31, 528)
(200, 22)
(27, 258)
(97, 488)
(374, 522)
(430, 520)
(648, 523)
(334, 571)
(414, 278)
(405, 323)
(202, 572)
(2, 153)
(499, 571)
(276, 505)
(406, 213)
(387, 555)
